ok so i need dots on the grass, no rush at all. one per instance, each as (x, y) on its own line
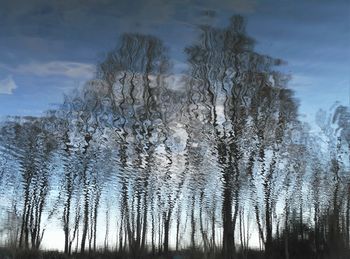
(10, 253)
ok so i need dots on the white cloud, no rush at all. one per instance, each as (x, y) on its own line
(75, 70)
(7, 85)
(58, 68)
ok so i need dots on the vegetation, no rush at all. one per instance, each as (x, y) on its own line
(134, 165)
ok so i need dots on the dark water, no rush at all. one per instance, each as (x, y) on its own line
(212, 149)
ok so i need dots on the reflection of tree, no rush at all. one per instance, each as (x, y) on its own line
(32, 146)
(335, 219)
(237, 89)
(135, 75)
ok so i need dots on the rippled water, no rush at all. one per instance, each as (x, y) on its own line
(204, 151)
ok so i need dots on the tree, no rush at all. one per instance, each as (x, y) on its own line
(32, 145)
(231, 84)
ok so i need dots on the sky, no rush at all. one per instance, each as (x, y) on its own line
(48, 48)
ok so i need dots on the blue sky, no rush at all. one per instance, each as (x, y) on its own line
(50, 47)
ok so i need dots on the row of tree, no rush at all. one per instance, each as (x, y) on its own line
(135, 163)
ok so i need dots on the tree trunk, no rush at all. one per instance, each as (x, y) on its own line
(86, 223)
(166, 235)
(228, 235)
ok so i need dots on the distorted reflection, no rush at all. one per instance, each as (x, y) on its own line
(212, 161)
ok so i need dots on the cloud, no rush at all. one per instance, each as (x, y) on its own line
(57, 68)
(75, 70)
(7, 85)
